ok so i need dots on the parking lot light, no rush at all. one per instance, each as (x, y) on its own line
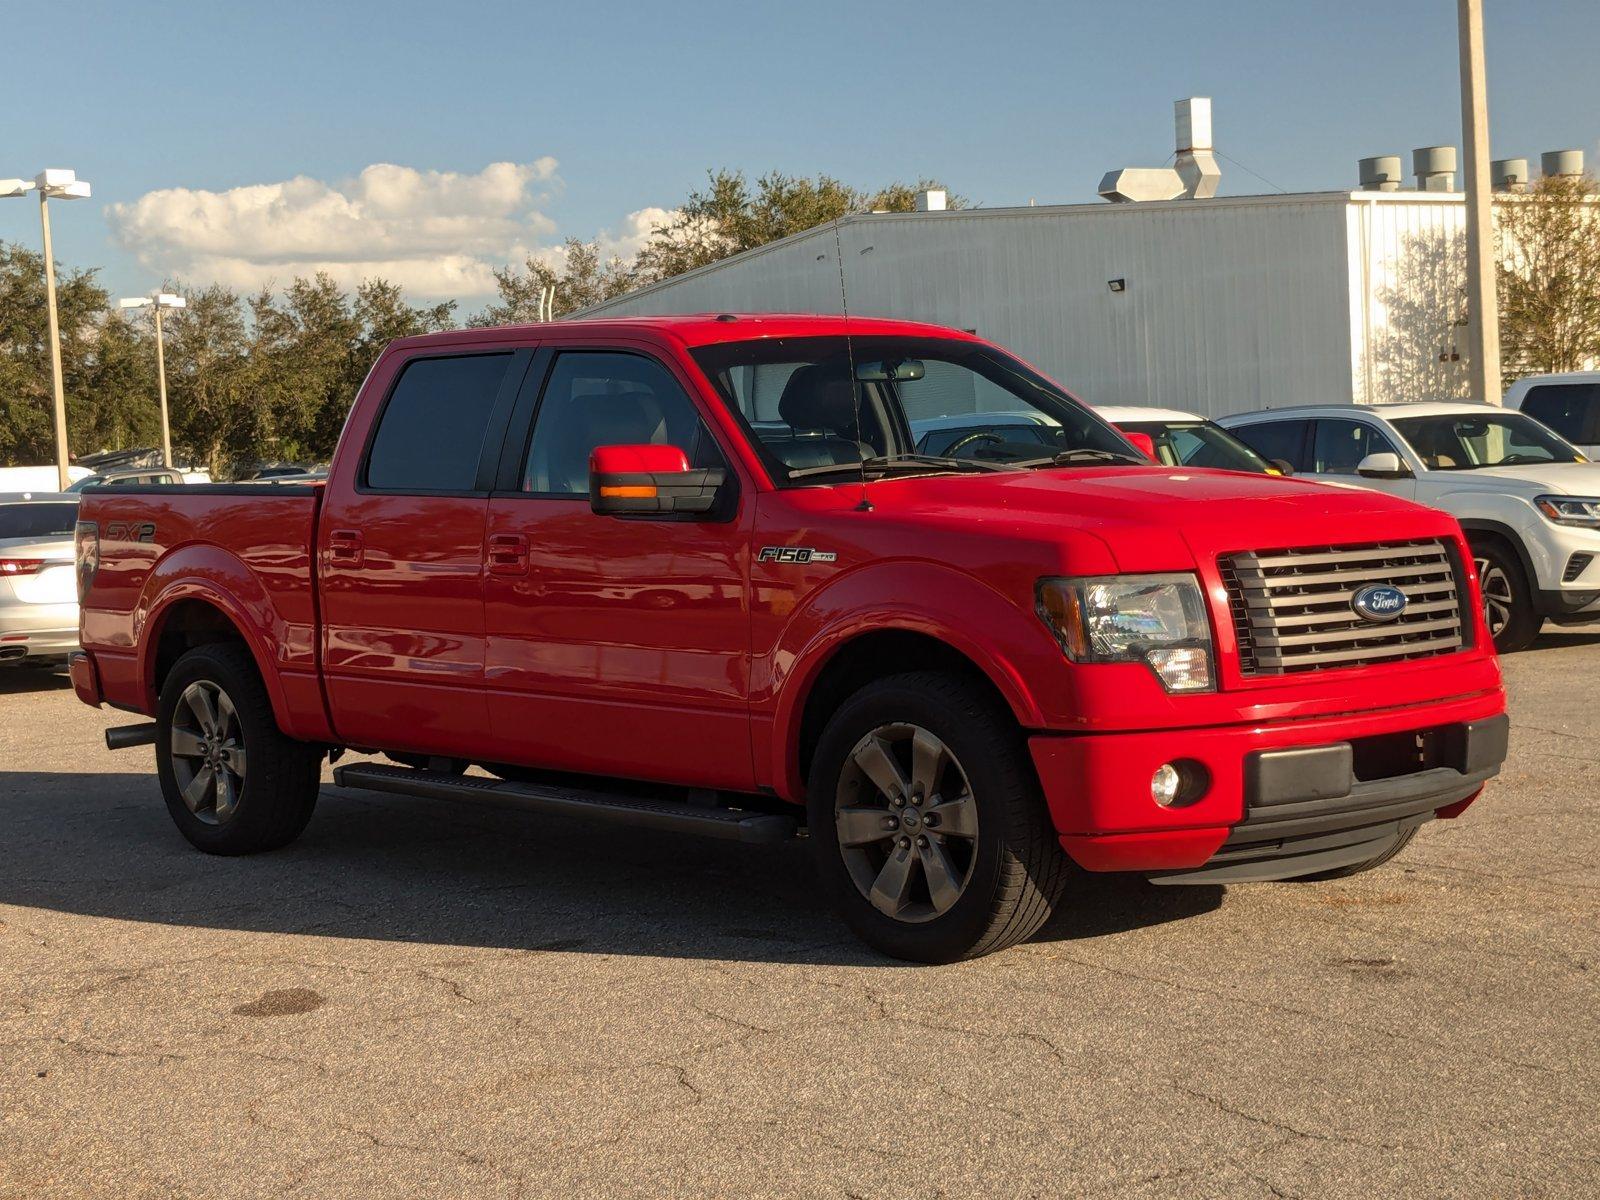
(157, 302)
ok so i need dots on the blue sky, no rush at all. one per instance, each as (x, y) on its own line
(615, 109)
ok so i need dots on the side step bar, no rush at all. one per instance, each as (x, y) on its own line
(750, 827)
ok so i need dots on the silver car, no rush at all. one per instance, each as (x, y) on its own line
(38, 580)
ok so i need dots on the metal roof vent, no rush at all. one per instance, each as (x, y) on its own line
(1193, 177)
(1562, 162)
(1509, 174)
(1381, 174)
(931, 200)
(1435, 167)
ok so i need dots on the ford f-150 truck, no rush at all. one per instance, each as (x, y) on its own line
(693, 573)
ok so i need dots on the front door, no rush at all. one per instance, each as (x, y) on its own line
(616, 645)
(402, 553)
(1338, 446)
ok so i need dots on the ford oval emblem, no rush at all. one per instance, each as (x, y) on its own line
(1379, 602)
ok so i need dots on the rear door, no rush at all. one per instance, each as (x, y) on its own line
(400, 546)
(616, 645)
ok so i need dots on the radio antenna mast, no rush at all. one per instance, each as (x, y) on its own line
(850, 363)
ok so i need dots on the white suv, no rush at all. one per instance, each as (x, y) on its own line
(1569, 404)
(1528, 501)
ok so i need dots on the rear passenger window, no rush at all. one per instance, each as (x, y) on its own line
(431, 432)
(607, 399)
(1571, 409)
(1275, 439)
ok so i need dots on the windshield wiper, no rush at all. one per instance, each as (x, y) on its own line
(1084, 454)
(887, 462)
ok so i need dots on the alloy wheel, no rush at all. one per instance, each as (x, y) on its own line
(1498, 597)
(907, 823)
(208, 753)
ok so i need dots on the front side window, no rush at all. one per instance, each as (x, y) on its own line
(1339, 446)
(817, 407)
(1466, 443)
(430, 433)
(1275, 440)
(1198, 444)
(1571, 409)
(604, 398)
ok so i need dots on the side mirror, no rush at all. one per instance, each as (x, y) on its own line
(1143, 442)
(1283, 465)
(649, 479)
(1385, 464)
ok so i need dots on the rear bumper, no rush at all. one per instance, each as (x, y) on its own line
(1276, 793)
(85, 677)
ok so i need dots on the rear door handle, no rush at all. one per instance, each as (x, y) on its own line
(508, 554)
(344, 546)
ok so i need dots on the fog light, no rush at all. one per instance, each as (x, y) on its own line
(1177, 784)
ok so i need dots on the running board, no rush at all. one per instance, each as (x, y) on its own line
(753, 828)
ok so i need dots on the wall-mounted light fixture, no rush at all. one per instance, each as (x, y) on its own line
(1117, 285)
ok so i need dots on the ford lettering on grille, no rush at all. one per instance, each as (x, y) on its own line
(1380, 602)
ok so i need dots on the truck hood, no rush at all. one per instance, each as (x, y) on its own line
(1159, 519)
(1568, 479)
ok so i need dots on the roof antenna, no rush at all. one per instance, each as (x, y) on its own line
(850, 359)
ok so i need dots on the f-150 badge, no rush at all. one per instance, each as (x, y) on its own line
(795, 554)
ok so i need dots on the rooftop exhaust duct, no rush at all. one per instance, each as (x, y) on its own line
(1381, 174)
(1562, 162)
(1193, 177)
(1509, 174)
(1435, 167)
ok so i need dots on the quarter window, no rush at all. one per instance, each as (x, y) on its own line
(430, 435)
(608, 399)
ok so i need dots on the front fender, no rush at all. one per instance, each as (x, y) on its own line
(1000, 637)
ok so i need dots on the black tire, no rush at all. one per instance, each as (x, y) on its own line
(1508, 600)
(1377, 860)
(1016, 869)
(278, 789)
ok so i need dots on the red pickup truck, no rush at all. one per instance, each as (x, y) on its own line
(692, 573)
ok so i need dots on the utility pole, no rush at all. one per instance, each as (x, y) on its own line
(1483, 314)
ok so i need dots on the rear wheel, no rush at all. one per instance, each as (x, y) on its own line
(233, 782)
(1507, 598)
(926, 818)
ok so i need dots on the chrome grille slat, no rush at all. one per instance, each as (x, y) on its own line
(1291, 608)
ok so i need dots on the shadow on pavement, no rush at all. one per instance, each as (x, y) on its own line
(1568, 637)
(16, 680)
(397, 869)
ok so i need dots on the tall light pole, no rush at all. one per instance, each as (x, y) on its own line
(53, 183)
(159, 301)
(1483, 315)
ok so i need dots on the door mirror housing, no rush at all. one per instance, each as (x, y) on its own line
(1282, 465)
(654, 480)
(1143, 442)
(1385, 464)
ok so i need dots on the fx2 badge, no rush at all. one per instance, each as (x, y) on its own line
(795, 554)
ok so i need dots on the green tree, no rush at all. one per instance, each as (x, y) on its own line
(727, 216)
(1549, 277)
(218, 410)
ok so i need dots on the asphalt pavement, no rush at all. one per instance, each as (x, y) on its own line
(425, 999)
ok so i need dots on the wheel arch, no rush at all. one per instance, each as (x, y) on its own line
(192, 613)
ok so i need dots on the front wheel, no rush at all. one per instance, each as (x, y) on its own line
(233, 782)
(930, 831)
(1507, 598)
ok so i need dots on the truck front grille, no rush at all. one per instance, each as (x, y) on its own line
(1292, 609)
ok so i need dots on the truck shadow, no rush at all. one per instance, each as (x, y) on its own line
(20, 680)
(406, 870)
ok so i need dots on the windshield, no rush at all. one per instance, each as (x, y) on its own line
(931, 404)
(1199, 444)
(1457, 442)
(26, 522)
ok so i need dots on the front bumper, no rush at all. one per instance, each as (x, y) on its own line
(1279, 794)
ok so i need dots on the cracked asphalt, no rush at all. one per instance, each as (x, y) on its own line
(419, 999)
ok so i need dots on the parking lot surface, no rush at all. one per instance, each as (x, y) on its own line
(422, 999)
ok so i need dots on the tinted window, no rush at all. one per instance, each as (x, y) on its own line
(607, 399)
(431, 431)
(1571, 409)
(1340, 445)
(37, 520)
(1275, 439)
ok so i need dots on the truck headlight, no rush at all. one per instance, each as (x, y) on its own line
(1570, 510)
(1159, 620)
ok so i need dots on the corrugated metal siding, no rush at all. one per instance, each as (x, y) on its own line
(1231, 304)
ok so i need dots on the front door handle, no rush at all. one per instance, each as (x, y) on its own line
(345, 547)
(508, 554)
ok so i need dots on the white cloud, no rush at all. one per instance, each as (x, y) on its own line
(435, 233)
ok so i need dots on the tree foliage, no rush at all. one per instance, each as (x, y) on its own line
(583, 277)
(1549, 277)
